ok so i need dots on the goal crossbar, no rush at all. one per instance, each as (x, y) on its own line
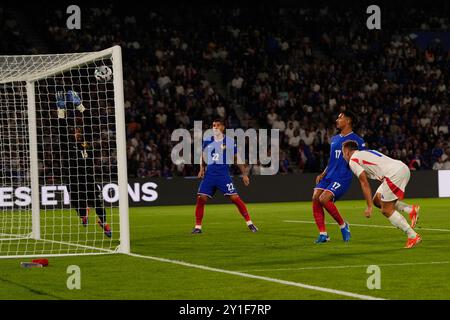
(67, 62)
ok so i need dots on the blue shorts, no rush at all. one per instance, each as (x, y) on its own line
(336, 186)
(210, 184)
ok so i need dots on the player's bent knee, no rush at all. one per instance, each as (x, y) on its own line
(202, 198)
(234, 197)
(387, 209)
(316, 196)
(324, 199)
(387, 212)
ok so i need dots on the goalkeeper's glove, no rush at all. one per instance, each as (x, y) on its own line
(73, 97)
(61, 104)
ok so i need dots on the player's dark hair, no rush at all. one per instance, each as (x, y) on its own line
(220, 121)
(351, 145)
(352, 116)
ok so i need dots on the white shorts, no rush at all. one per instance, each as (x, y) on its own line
(393, 187)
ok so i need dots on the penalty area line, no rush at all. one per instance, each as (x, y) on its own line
(252, 276)
(368, 225)
(351, 266)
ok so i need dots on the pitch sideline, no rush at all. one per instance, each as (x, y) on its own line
(251, 276)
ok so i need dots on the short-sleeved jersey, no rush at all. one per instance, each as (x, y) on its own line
(338, 168)
(219, 155)
(376, 165)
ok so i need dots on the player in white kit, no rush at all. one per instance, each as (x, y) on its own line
(394, 176)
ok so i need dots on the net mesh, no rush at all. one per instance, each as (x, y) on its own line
(76, 151)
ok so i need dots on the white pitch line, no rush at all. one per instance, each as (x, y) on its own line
(368, 225)
(352, 266)
(152, 225)
(247, 275)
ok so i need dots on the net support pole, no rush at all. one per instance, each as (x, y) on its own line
(121, 150)
(34, 174)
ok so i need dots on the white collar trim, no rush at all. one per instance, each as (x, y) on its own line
(346, 134)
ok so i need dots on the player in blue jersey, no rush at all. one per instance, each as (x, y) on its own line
(335, 180)
(220, 152)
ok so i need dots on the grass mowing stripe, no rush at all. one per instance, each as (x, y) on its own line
(368, 225)
(351, 266)
(252, 276)
(30, 289)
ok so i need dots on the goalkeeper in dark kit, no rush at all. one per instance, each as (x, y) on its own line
(77, 153)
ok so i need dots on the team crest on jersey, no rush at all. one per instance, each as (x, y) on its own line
(223, 146)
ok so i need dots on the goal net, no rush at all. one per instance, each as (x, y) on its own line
(63, 179)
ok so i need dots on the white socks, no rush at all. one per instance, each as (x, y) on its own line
(400, 222)
(401, 206)
(198, 226)
(249, 222)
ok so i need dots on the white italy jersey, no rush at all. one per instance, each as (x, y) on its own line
(376, 165)
(394, 174)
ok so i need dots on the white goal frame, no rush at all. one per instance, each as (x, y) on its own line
(30, 77)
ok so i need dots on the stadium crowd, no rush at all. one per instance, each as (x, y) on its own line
(289, 69)
(13, 41)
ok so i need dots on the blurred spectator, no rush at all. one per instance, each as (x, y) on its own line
(294, 70)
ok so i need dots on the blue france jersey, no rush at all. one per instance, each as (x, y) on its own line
(337, 166)
(219, 155)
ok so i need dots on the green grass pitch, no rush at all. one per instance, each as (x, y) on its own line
(283, 249)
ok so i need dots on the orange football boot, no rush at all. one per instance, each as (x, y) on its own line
(412, 242)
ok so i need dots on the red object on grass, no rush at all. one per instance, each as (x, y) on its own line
(44, 262)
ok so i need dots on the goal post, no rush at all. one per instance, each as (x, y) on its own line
(63, 171)
(121, 150)
(34, 173)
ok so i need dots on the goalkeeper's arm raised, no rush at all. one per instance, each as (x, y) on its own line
(62, 98)
(74, 129)
(72, 96)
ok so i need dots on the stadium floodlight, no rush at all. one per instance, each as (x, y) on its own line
(62, 129)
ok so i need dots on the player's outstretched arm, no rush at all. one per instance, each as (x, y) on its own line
(73, 97)
(201, 173)
(367, 192)
(243, 168)
(61, 104)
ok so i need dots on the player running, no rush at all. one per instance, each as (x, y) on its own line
(216, 175)
(335, 180)
(394, 175)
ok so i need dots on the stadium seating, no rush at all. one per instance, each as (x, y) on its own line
(291, 69)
